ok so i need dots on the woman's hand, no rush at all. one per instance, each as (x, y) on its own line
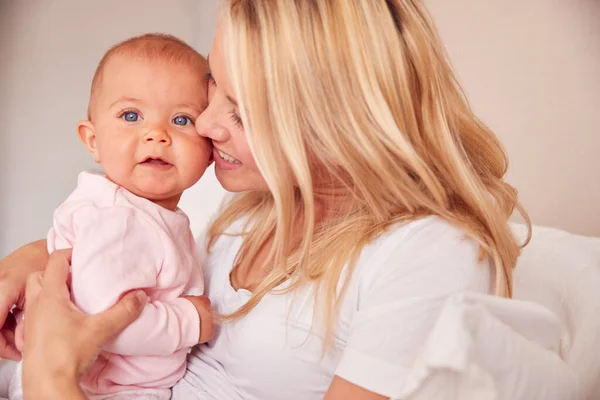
(61, 342)
(202, 304)
(14, 270)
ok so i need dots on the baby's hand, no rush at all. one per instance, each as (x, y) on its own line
(202, 304)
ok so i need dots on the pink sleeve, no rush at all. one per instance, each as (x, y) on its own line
(196, 281)
(195, 286)
(117, 251)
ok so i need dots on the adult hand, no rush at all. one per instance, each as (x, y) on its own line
(202, 304)
(61, 342)
(14, 270)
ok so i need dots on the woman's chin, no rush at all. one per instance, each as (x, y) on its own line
(229, 184)
(236, 182)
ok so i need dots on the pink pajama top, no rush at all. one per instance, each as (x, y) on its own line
(123, 242)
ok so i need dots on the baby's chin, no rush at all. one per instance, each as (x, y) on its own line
(156, 193)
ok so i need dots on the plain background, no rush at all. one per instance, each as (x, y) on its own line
(531, 69)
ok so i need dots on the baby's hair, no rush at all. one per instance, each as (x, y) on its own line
(148, 47)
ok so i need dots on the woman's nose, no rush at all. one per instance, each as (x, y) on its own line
(208, 125)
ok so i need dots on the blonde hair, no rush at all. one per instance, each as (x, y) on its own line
(365, 87)
(148, 47)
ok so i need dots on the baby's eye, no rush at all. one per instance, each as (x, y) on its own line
(182, 120)
(131, 116)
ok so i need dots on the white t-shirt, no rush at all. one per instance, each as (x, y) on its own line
(399, 285)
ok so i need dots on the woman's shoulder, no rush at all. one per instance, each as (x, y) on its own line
(426, 233)
(425, 252)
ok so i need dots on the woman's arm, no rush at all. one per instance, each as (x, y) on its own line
(55, 387)
(14, 270)
(61, 342)
(341, 389)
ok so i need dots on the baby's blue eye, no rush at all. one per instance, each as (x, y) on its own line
(131, 116)
(182, 120)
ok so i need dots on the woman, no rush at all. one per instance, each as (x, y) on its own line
(368, 194)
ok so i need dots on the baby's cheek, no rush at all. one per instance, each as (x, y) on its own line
(200, 157)
(206, 150)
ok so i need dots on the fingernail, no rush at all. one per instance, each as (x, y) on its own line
(141, 296)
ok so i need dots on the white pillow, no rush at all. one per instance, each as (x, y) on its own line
(489, 348)
(561, 271)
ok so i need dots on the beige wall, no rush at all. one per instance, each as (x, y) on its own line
(531, 69)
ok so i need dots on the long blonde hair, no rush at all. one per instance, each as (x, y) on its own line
(365, 87)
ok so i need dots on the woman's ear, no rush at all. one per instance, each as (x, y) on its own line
(87, 135)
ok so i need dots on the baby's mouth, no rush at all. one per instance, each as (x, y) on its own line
(155, 161)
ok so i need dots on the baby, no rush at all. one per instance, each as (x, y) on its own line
(124, 227)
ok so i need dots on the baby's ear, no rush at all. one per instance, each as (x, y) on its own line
(87, 135)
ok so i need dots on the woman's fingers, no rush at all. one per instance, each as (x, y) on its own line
(54, 279)
(8, 297)
(14, 270)
(57, 270)
(19, 336)
(8, 348)
(33, 287)
(111, 322)
(58, 335)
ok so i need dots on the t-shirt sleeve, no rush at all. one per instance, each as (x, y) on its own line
(401, 293)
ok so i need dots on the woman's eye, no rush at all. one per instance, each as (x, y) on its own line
(211, 80)
(182, 120)
(237, 120)
(130, 116)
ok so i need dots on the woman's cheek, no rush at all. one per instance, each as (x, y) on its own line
(247, 158)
